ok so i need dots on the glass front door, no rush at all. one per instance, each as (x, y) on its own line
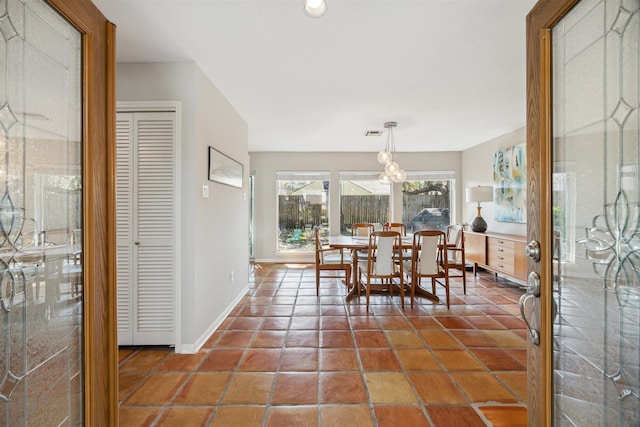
(596, 229)
(41, 206)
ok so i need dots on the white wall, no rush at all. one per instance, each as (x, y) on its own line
(266, 164)
(214, 231)
(477, 167)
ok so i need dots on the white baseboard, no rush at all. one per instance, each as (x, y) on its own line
(299, 260)
(195, 347)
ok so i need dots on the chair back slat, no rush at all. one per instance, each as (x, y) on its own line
(383, 264)
(428, 254)
(396, 226)
(362, 229)
(318, 246)
(454, 234)
(455, 241)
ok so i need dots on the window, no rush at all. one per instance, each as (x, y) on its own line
(564, 212)
(302, 206)
(252, 215)
(426, 200)
(363, 199)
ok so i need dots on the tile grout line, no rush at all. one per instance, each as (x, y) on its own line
(325, 310)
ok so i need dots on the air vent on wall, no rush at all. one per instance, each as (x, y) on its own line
(373, 133)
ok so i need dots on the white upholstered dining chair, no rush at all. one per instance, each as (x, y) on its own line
(379, 269)
(427, 261)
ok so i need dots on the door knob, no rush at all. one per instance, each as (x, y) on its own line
(532, 250)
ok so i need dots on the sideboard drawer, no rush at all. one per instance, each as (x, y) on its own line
(503, 265)
(503, 243)
(496, 251)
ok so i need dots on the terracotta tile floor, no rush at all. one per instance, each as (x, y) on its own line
(285, 357)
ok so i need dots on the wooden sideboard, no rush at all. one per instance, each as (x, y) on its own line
(496, 252)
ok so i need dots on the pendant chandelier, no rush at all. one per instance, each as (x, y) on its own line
(387, 157)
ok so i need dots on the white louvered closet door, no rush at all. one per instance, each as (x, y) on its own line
(146, 227)
(124, 222)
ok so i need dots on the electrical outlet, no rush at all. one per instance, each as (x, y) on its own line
(205, 191)
(231, 278)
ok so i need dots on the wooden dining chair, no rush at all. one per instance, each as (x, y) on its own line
(396, 226)
(331, 259)
(362, 229)
(402, 229)
(380, 269)
(428, 261)
(455, 254)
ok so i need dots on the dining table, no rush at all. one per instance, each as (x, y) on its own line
(361, 243)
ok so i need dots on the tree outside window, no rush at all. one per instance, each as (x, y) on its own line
(427, 203)
(302, 206)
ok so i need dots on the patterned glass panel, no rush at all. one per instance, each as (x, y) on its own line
(596, 214)
(40, 217)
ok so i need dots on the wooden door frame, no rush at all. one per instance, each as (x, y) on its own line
(99, 258)
(540, 20)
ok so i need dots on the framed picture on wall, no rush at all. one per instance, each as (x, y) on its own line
(224, 169)
(510, 184)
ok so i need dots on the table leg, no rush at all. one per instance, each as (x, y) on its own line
(420, 291)
(354, 282)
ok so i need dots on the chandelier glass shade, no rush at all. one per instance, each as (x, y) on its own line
(392, 171)
(400, 176)
(384, 178)
(384, 157)
(391, 168)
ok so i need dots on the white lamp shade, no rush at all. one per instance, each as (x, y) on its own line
(480, 193)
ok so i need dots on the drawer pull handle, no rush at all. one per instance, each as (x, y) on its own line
(500, 250)
(501, 241)
(500, 265)
(501, 257)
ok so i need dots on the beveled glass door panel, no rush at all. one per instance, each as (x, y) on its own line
(595, 214)
(41, 288)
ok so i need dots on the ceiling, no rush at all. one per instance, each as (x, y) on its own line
(450, 72)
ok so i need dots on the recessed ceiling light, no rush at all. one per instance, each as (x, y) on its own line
(314, 8)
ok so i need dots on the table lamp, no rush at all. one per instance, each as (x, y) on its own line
(479, 194)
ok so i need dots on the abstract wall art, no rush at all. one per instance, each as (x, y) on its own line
(510, 184)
